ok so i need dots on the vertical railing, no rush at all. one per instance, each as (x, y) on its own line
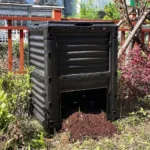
(144, 38)
(56, 16)
(149, 39)
(9, 46)
(21, 52)
(123, 33)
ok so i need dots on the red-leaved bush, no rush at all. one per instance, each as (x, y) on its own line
(134, 80)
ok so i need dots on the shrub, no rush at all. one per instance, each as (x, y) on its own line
(112, 12)
(15, 50)
(5, 116)
(17, 87)
(134, 76)
(87, 11)
(3, 50)
(17, 129)
(24, 133)
(14, 96)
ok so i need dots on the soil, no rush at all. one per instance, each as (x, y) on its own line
(81, 126)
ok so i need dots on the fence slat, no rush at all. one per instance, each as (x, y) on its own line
(21, 51)
(122, 37)
(9, 47)
(56, 17)
(56, 14)
(149, 39)
(142, 37)
(13, 28)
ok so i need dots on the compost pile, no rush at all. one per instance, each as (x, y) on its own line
(81, 125)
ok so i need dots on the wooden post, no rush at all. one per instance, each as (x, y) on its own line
(142, 37)
(9, 47)
(135, 44)
(148, 39)
(122, 37)
(21, 52)
(133, 32)
(56, 14)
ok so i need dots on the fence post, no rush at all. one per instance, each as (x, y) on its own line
(21, 52)
(122, 37)
(9, 47)
(56, 14)
(142, 37)
(149, 40)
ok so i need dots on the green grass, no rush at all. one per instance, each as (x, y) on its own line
(134, 137)
(133, 133)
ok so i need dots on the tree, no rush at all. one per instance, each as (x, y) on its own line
(111, 12)
(141, 11)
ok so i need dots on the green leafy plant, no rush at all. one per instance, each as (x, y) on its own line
(18, 130)
(38, 142)
(15, 50)
(14, 96)
(3, 50)
(133, 119)
(5, 116)
(18, 88)
(87, 11)
(112, 12)
(23, 133)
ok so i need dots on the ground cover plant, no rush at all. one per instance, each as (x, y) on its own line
(133, 133)
(17, 129)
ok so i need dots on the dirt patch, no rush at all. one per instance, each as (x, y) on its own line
(81, 125)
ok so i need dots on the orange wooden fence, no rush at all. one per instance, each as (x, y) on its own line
(56, 16)
(144, 38)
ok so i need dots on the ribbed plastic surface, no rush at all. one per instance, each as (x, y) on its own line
(87, 53)
(38, 77)
(71, 56)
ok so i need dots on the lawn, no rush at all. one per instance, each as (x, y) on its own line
(133, 133)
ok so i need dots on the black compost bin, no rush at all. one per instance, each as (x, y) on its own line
(75, 68)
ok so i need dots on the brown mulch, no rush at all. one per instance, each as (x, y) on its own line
(81, 125)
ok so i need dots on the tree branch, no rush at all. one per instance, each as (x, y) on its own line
(134, 31)
(127, 15)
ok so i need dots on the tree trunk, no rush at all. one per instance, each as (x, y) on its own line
(133, 32)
